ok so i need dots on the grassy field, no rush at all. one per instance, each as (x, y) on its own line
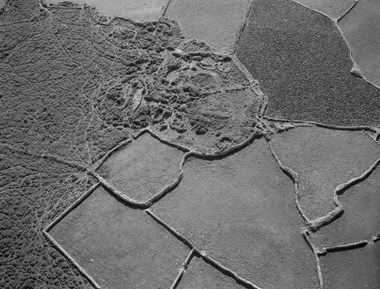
(119, 246)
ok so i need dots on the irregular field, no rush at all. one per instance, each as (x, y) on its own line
(73, 85)
(324, 159)
(142, 168)
(303, 65)
(105, 80)
(361, 219)
(142, 10)
(200, 274)
(359, 268)
(332, 8)
(51, 63)
(217, 122)
(33, 191)
(215, 21)
(361, 28)
(119, 246)
(241, 210)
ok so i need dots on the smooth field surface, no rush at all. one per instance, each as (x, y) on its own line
(142, 168)
(352, 269)
(324, 159)
(200, 274)
(361, 219)
(119, 246)
(215, 21)
(241, 210)
(332, 8)
(361, 28)
(141, 10)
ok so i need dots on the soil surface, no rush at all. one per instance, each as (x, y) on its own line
(119, 246)
(303, 64)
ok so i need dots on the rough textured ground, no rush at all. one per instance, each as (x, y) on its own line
(353, 269)
(119, 246)
(216, 22)
(240, 210)
(33, 191)
(303, 64)
(86, 98)
(143, 168)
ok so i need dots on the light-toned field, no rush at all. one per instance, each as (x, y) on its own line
(361, 28)
(361, 217)
(203, 275)
(143, 168)
(323, 160)
(215, 21)
(141, 10)
(332, 8)
(119, 246)
(240, 210)
(352, 269)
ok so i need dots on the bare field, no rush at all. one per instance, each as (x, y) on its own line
(303, 64)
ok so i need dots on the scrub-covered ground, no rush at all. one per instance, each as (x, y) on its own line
(189, 144)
